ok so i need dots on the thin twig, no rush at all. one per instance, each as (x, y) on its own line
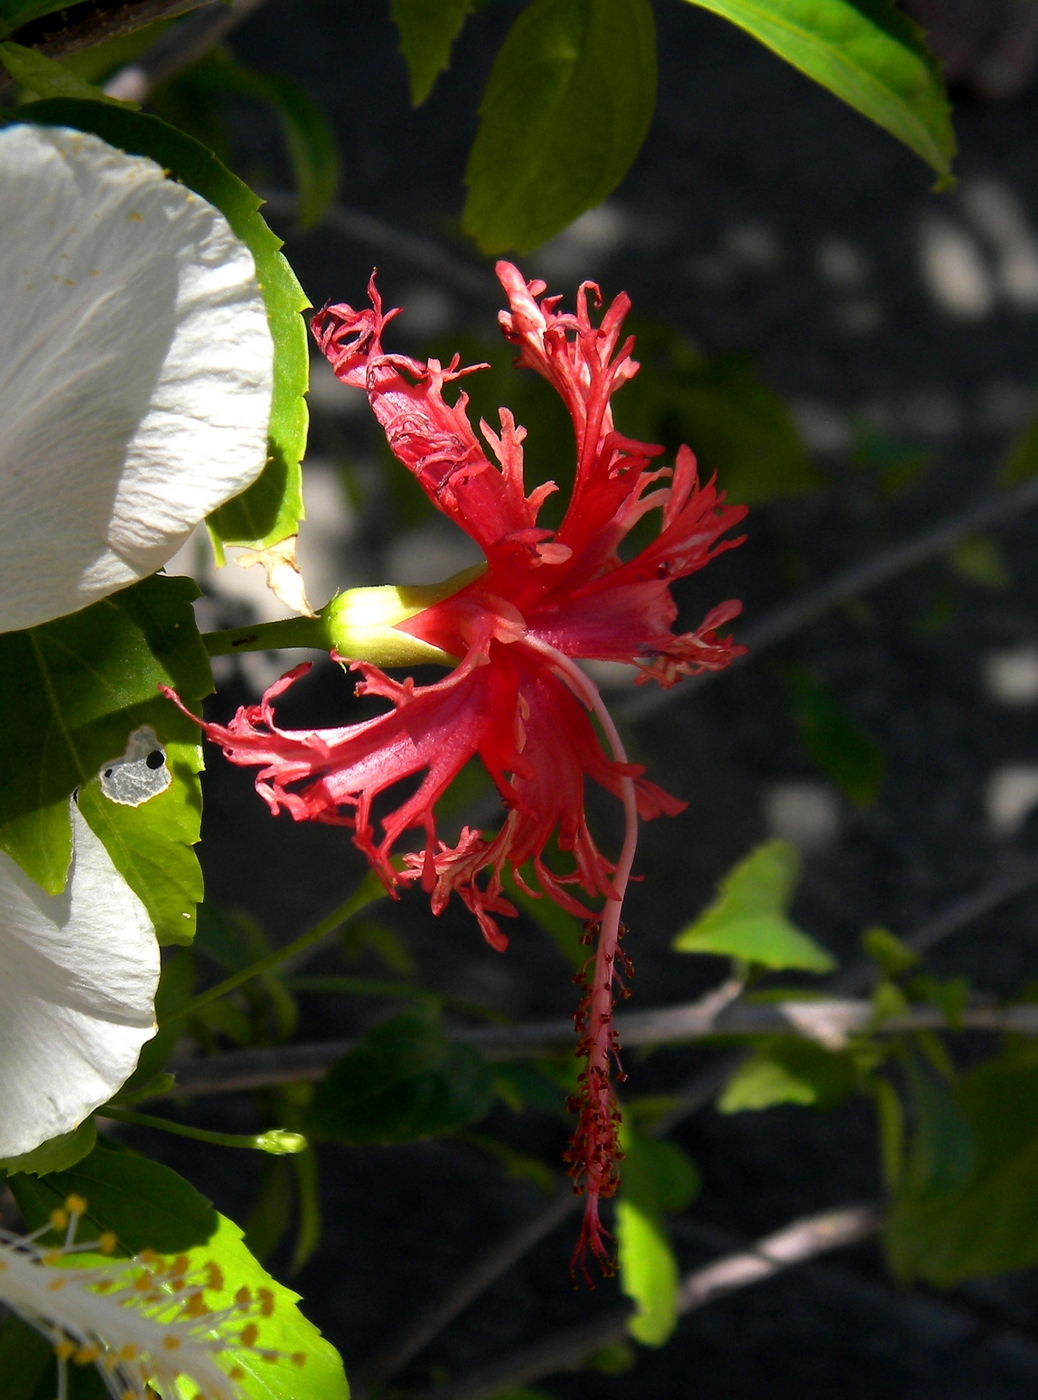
(797, 1243)
(176, 50)
(829, 1022)
(789, 618)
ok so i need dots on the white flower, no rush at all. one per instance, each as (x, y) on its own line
(136, 369)
(78, 973)
(145, 1323)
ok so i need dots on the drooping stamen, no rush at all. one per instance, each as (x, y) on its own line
(594, 1150)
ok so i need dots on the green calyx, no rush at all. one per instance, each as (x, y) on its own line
(361, 625)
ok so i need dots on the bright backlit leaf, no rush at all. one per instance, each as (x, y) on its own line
(657, 1178)
(748, 919)
(566, 109)
(270, 510)
(403, 1082)
(148, 1206)
(426, 35)
(73, 690)
(866, 52)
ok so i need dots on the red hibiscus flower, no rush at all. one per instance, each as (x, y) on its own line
(516, 697)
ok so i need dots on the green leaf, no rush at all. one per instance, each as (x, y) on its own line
(748, 918)
(838, 746)
(788, 1071)
(72, 691)
(57, 1155)
(148, 1206)
(738, 428)
(403, 1082)
(866, 52)
(1022, 459)
(888, 951)
(426, 35)
(566, 108)
(565, 930)
(309, 137)
(947, 1223)
(15, 13)
(26, 1362)
(979, 560)
(270, 510)
(657, 1178)
(46, 77)
(152, 845)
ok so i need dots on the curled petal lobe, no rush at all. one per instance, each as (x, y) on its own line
(136, 370)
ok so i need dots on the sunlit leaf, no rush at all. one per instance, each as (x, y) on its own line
(748, 918)
(270, 510)
(148, 1206)
(426, 35)
(566, 108)
(657, 1178)
(866, 52)
(840, 748)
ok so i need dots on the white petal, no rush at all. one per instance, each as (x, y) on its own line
(135, 369)
(78, 973)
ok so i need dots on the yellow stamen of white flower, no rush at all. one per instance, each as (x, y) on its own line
(145, 1323)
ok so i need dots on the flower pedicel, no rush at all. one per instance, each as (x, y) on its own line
(514, 632)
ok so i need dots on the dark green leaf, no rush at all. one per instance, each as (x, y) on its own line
(784, 1070)
(57, 1155)
(748, 918)
(26, 1361)
(950, 1221)
(1022, 459)
(866, 52)
(426, 35)
(310, 139)
(148, 1206)
(15, 13)
(72, 691)
(404, 1081)
(839, 747)
(565, 111)
(269, 511)
(738, 428)
(979, 560)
